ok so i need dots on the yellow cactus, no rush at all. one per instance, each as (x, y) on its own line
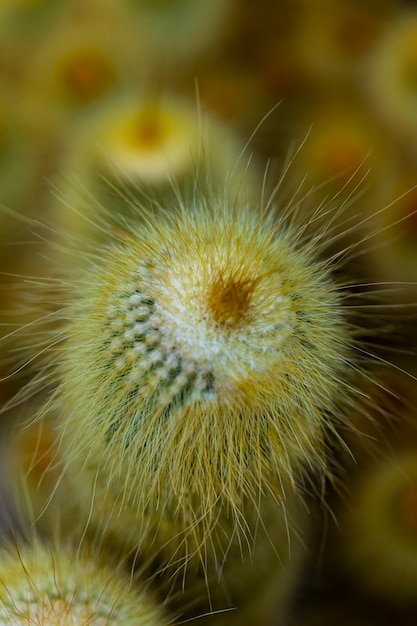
(48, 585)
(141, 149)
(202, 358)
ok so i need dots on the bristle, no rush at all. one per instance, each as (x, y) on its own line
(203, 356)
(47, 585)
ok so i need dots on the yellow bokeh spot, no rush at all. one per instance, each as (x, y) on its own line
(149, 129)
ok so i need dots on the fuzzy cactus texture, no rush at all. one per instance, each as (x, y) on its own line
(48, 585)
(205, 360)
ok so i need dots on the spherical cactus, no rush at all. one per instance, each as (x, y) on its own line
(203, 356)
(142, 147)
(48, 585)
(204, 359)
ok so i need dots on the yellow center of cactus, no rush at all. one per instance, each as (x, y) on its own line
(229, 299)
(148, 130)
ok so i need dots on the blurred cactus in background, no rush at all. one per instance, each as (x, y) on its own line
(150, 148)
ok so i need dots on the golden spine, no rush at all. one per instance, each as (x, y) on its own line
(51, 585)
(204, 354)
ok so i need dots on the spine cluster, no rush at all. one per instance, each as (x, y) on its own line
(47, 585)
(205, 357)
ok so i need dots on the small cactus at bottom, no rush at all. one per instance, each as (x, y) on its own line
(50, 585)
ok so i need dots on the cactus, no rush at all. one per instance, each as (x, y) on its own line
(205, 358)
(50, 585)
(139, 146)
